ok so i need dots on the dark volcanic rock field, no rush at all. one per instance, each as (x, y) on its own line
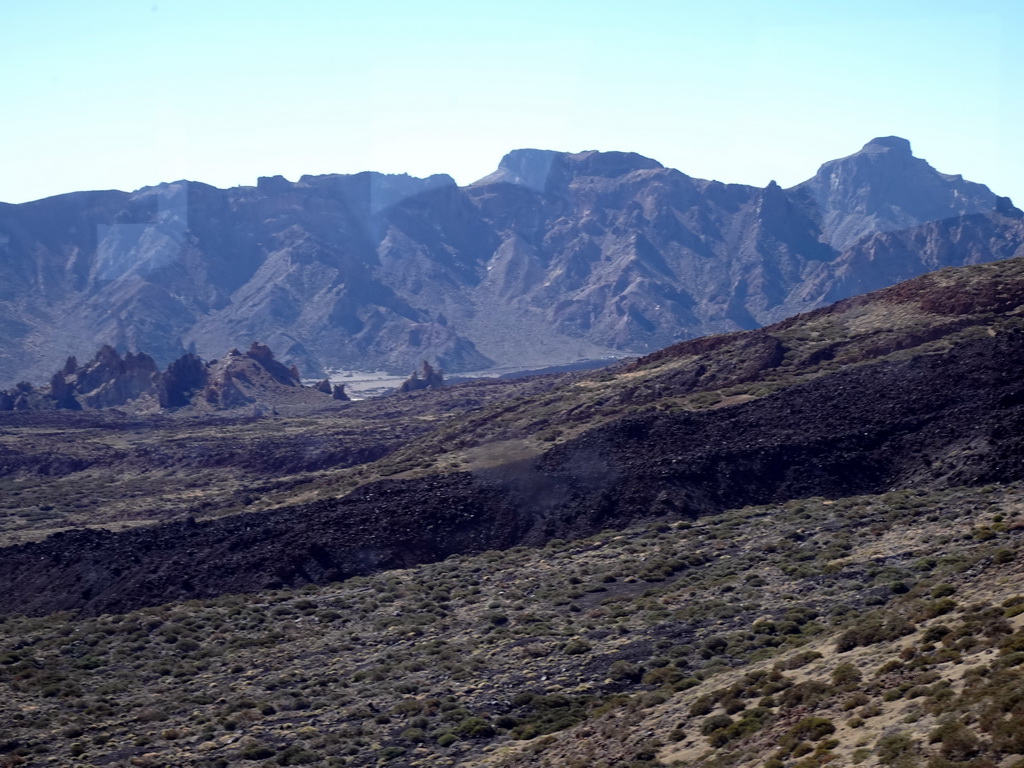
(937, 420)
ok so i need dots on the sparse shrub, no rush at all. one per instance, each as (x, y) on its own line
(662, 676)
(812, 729)
(807, 693)
(958, 743)
(935, 608)
(622, 670)
(256, 752)
(475, 728)
(896, 749)
(846, 675)
(801, 748)
(798, 660)
(1003, 556)
(151, 715)
(873, 629)
(702, 706)
(935, 633)
(297, 755)
(714, 723)
(576, 646)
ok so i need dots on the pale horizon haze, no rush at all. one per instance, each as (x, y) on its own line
(125, 94)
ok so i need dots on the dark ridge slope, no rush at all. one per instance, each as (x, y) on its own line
(931, 421)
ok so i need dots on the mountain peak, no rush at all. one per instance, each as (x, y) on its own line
(534, 168)
(884, 188)
(888, 144)
(526, 167)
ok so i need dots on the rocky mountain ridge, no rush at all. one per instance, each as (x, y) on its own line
(556, 257)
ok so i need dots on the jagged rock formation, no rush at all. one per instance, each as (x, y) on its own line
(431, 379)
(182, 379)
(553, 258)
(109, 381)
(106, 381)
(237, 379)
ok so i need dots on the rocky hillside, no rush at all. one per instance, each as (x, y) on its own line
(554, 258)
(917, 386)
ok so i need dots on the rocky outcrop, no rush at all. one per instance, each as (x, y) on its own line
(63, 393)
(431, 379)
(109, 381)
(106, 381)
(336, 391)
(181, 381)
(287, 376)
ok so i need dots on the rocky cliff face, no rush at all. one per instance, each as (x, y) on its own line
(555, 257)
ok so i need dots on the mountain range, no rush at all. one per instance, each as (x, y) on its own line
(553, 258)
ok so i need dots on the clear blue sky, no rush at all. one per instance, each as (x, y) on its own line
(123, 94)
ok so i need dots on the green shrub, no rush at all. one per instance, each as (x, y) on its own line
(702, 706)
(895, 749)
(958, 743)
(256, 752)
(846, 675)
(874, 629)
(622, 670)
(576, 646)
(714, 723)
(811, 729)
(475, 728)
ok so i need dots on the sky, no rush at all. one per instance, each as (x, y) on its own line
(121, 94)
